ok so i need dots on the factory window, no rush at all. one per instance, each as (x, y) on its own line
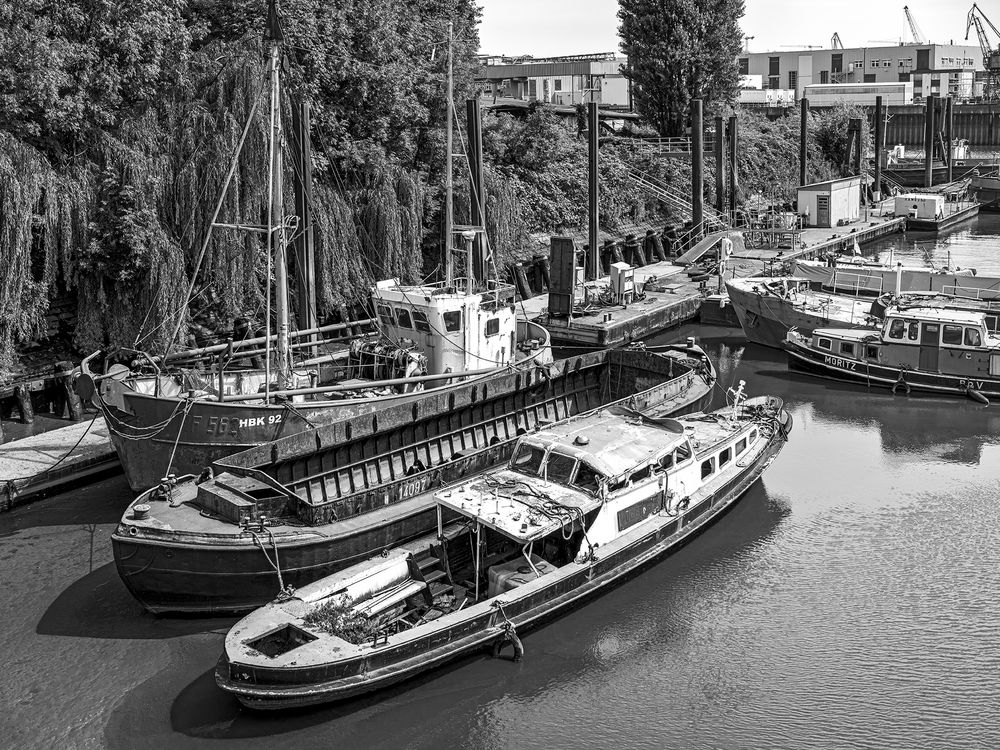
(824, 76)
(793, 78)
(453, 321)
(557, 84)
(858, 63)
(869, 78)
(403, 317)
(846, 347)
(707, 468)
(887, 63)
(774, 82)
(973, 337)
(825, 344)
(492, 326)
(873, 63)
(774, 66)
(952, 335)
(837, 63)
(744, 66)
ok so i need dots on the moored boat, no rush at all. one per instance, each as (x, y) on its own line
(768, 306)
(857, 275)
(306, 505)
(580, 505)
(931, 349)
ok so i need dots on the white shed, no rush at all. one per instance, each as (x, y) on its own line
(831, 203)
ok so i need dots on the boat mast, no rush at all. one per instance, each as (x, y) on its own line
(449, 182)
(277, 248)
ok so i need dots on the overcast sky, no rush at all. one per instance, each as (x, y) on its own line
(567, 27)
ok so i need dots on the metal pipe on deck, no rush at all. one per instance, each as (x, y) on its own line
(697, 164)
(879, 118)
(803, 141)
(593, 142)
(929, 143)
(719, 148)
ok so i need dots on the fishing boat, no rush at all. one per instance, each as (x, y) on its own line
(175, 413)
(579, 506)
(768, 306)
(306, 505)
(859, 275)
(936, 350)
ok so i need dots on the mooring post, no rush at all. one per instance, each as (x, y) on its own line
(879, 117)
(74, 407)
(697, 165)
(719, 149)
(803, 140)
(594, 143)
(949, 135)
(929, 143)
(27, 409)
(733, 183)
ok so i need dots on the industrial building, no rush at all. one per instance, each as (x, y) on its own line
(574, 79)
(938, 69)
(831, 203)
(864, 94)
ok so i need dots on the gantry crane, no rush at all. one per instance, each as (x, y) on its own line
(835, 42)
(991, 54)
(918, 35)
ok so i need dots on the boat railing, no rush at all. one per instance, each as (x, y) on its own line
(856, 283)
(965, 292)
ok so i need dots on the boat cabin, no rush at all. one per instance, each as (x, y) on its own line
(953, 342)
(456, 331)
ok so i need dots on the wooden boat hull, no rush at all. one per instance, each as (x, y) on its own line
(653, 540)
(157, 435)
(193, 566)
(892, 379)
(766, 319)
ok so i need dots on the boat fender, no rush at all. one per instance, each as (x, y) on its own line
(508, 635)
(977, 396)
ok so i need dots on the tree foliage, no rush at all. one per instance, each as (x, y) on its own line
(678, 51)
(118, 122)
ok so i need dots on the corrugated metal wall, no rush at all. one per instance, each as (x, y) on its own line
(980, 123)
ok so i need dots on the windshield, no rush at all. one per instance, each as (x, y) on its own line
(587, 478)
(559, 468)
(527, 459)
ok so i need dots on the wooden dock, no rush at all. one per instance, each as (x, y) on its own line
(51, 460)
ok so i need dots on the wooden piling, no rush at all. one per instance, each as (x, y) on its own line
(73, 404)
(733, 174)
(879, 122)
(803, 142)
(929, 142)
(23, 395)
(697, 163)
(593, 146)
(719, 149)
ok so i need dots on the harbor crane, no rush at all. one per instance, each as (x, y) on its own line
(918, 35)
(991, 54)
(835, 42)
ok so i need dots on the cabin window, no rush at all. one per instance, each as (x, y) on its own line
(725, 456)
(492, 326)
(683, 452)
(973, 337)
(896, 329)
(559, 468)
(912, 330)
(871, 352)
(420, 321)
(385, 315)
(991, 323)
(641, 475)
(952, 335)
(741, 445)
(753, 435)
(846, 347)
(453, 321)
(403, 316)
(707, 468)
(528, 459)
(587, 478)
(667, 461)
(825, 344)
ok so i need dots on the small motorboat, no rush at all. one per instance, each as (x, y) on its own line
(579, 506)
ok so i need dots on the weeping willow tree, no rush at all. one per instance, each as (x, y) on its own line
(119, 128)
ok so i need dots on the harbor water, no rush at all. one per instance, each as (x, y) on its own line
(849, 600)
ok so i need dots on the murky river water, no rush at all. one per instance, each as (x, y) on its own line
(850, 600)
